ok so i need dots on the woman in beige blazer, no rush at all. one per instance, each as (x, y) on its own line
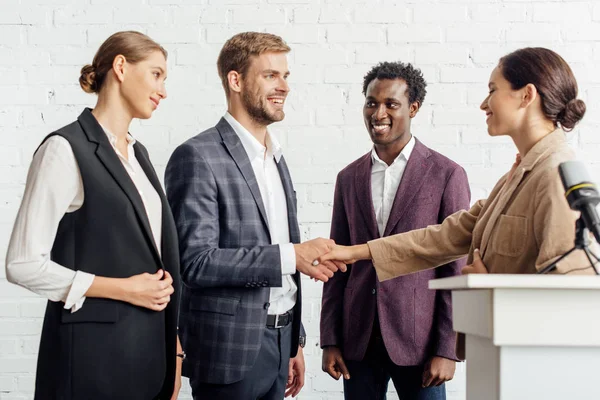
(526, 222)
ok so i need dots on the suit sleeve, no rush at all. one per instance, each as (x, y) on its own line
(456, 197)
(333, 290)
(193, 195)
(426, 248)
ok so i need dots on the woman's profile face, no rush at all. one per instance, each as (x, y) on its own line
(143, 85)
(502, 105)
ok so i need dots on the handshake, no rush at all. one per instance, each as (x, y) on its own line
(321, 258)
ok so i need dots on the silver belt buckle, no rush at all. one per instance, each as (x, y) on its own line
(277, 321)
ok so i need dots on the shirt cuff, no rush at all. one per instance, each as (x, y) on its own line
(76, 296)
(288, 258)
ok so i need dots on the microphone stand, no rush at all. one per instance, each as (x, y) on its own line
(582, 242)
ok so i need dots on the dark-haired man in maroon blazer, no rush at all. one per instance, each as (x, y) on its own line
(372, 332)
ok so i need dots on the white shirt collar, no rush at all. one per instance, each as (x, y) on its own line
(405, 153)
(113, 138)
(252, 146)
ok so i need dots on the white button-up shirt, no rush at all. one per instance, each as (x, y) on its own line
(273, 196)
(385, 180)
(54, 187)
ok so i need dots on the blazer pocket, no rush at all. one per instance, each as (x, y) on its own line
(511, 235)
(93, 310)
(214, 304)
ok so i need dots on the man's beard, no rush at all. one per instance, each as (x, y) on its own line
(258, 111)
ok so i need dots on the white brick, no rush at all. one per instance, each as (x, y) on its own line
(329, 116)
(440, 13)
(20, 15)
(559, 12)
(7, 347)
(355, 34)
(344, 74)
(141, 15)
(581, 32)
(479, 135)
(17, 365)
(393, 14)
(187, 34)
(524, 32)
(468, 75)
(9, 117)
(10, 76)
(247, 15)
(306, 15)
(49, 2)
(297, 34)
(220, 34)
(7, 383)
(335, 15)
(34, 309)
(11, 35)
(9, 310)
(475, 33)
(197, 55)
(458, 116)
(322, 193)
(26, 383)
(55, 36)
(415, 33)
(30, 346)
(441, 54)
(373, 54)
(87, 16)
(446, 94)
(22, 95)
(499, 12)
(53, 75)
(490, 53)
(325, 55)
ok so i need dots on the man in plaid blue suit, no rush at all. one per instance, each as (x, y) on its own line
(236, 214)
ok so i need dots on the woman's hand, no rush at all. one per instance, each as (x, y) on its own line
(477, 267)
(149, 290)
(347, 254)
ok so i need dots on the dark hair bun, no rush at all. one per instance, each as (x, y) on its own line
(87, 80)
(572, 114)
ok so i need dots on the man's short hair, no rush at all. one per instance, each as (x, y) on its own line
(398, 70)
(237, 52)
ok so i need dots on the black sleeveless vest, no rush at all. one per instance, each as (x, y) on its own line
(109, 349)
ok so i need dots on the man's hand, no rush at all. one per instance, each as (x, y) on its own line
(295, 374)
(333, 363)
(308, 252)
(437, 371)
(179, 362)
(477, 267)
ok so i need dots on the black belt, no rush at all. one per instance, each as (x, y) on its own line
(279, 320)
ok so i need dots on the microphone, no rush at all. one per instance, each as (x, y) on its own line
(581, 193)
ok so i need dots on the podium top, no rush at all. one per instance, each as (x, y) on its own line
(516, 281)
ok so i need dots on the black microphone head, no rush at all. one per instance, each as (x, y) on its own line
(573, 173)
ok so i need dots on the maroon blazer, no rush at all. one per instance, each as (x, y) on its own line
(416, 323)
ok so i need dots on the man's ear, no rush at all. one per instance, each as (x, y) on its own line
(413, 109)
(234, 79)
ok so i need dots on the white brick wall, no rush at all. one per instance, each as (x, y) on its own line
(43, 43)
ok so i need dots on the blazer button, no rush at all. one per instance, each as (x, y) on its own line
(374, 291)
(267, 305)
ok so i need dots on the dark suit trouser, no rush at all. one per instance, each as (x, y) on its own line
(267, 378)
(369, 378)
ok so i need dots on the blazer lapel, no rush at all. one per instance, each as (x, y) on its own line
(109, 158)
(234, 146)
(362, 186)
(413, 177)
(153, 178)
(290, 200)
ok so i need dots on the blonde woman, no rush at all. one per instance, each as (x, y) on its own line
(94, 235)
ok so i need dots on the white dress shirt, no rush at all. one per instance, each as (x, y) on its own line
(263, 160)
(385, 180)
(54, 187)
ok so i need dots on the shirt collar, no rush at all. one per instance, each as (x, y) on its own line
(252, 146)
(547, 145)
(113, 138)
(405, 153)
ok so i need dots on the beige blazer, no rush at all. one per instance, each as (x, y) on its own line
(523, 225)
